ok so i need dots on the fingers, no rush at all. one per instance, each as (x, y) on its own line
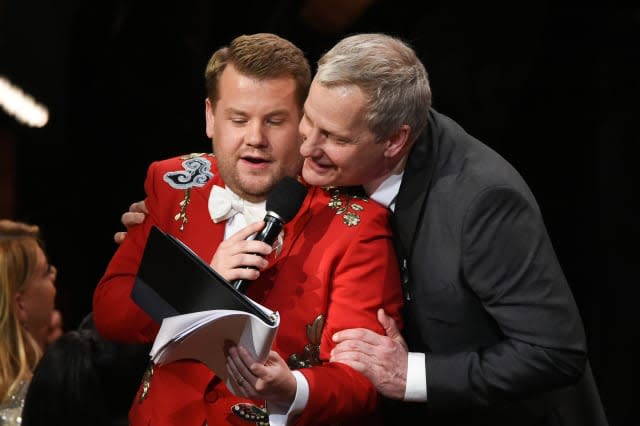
(238, 362)
(271, 380)
(246, 362)
(240, 258)
(239, 244)
(388, 323)
(248, 247)
(351, 348)
(118, 237)
(362, 334)
(129, 219)
(390, 327)
(274, 358)
(250, 260)
(236, 376)
(351, 361)
(135, 216)
(139, 207)
(248, 230)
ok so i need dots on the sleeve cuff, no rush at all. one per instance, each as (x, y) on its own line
(280, 415)
(416, 390)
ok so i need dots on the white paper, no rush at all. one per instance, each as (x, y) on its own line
(205, 336)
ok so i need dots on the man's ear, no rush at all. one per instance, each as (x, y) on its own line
(209, 119)
(397, 142)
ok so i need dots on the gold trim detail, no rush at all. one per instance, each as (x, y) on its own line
(251, 413)
(344, 203)
(182, 214)
(146, 382)
(310, 355)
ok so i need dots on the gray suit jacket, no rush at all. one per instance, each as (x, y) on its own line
(487, 299)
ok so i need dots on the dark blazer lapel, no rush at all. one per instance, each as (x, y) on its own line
(415, 186)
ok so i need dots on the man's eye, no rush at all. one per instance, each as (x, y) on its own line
(340, 141)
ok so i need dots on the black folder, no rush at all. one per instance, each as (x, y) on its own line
(173, 280)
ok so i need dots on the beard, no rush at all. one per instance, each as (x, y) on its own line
(253, 186)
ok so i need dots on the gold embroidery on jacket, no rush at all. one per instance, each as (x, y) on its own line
(251, 413)
(146, 382)
(182, 214)
(344, 203)
(310, 355)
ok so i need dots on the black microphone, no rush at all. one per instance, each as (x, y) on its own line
(283, 204)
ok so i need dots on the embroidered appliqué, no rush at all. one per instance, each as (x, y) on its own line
(344, 203)
(251, 413)
(196, 172)
(310, 355)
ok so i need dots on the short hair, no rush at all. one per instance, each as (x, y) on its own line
(263, 56)
(392, 78)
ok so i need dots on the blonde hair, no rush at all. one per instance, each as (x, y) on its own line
(19, 352)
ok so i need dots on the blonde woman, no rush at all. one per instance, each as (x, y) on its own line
(27, 297)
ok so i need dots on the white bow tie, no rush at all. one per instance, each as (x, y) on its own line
(224, 204)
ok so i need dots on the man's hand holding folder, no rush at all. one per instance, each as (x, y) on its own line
(200, 313)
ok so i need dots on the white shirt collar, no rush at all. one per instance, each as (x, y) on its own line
(386, 193)
(250, 213)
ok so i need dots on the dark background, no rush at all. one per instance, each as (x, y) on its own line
(553, 86)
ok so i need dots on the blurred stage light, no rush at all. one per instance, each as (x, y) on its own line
(21, 105)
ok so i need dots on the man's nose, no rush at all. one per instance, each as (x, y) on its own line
(255, 135)
(310, 142)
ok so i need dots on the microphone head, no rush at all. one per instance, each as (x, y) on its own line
(286, 198)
